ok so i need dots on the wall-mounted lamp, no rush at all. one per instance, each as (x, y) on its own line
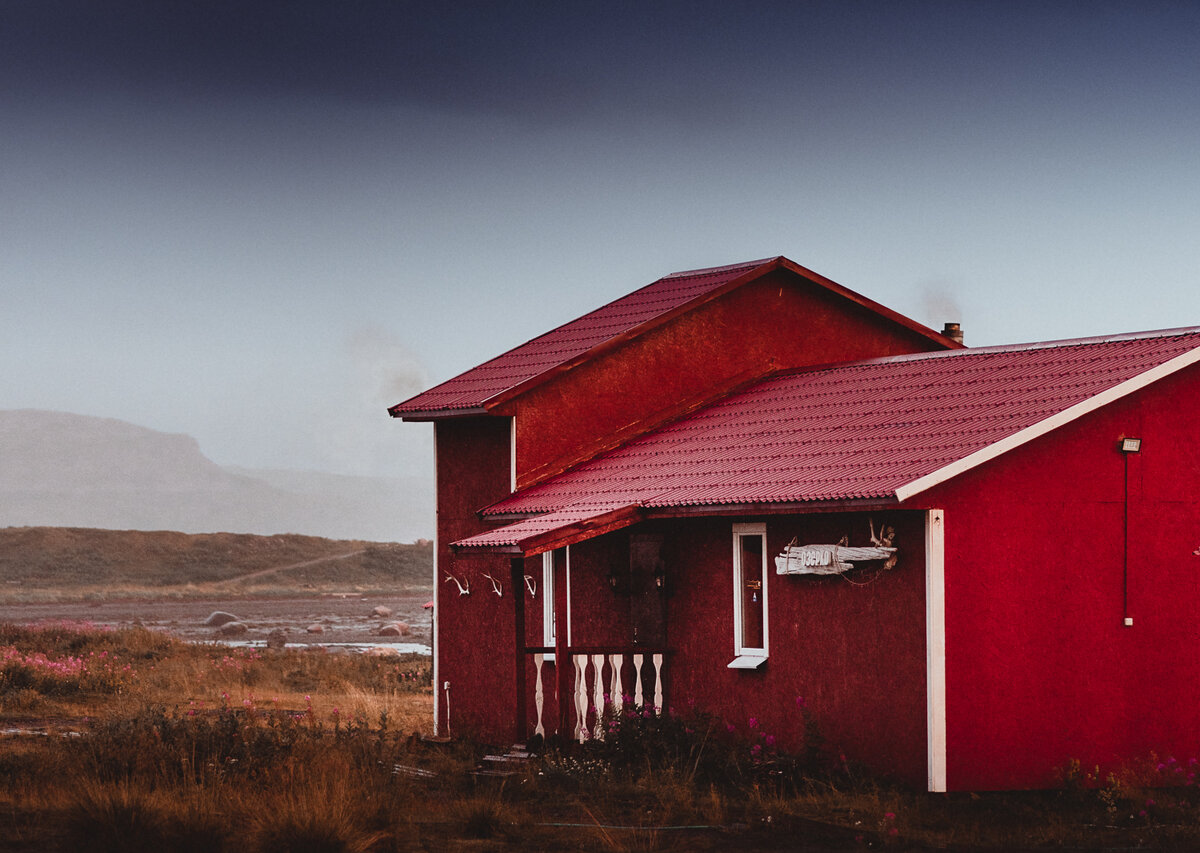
(1131, 445)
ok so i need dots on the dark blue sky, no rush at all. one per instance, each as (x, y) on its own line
(261, 223)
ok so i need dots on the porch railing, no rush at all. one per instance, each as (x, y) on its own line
(600, 682)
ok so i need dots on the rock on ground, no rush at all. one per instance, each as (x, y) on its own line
(220, 617)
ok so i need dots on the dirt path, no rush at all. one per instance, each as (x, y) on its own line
(263, 572)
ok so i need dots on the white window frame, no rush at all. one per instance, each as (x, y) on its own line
(548, 601)
(548, 621)
(746, 657)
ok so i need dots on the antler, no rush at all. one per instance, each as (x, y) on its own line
(495, 585)
(463, 589)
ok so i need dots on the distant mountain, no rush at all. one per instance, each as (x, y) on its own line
(65, 470)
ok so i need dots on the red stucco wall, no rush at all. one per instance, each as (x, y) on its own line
(1040, 669)
(472, 472)
(774, 322)
(852, 648)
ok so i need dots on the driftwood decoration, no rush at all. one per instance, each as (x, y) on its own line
(531, 585)
(496, 588)
(840, 558)
(464, 586)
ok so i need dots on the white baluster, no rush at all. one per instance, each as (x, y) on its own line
(539, 697)
(616, 690)
(637, 687)
(580, 696)
(598, 695)
(658, 691)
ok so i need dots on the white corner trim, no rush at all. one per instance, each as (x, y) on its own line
(436, 648)
(512, 454)
(935, 648)
(1050, 424)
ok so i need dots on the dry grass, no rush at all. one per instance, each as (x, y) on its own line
(197, 748)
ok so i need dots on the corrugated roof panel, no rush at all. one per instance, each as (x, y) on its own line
(861, 430)
(476, 386)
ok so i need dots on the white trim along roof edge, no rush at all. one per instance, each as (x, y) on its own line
(1024, 436)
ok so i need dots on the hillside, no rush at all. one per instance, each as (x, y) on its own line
(62, 563)
(59, 469)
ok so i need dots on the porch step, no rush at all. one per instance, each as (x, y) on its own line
(501, 766)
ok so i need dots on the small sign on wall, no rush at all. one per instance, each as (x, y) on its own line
(840, 558)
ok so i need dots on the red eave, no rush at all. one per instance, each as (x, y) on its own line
(507, 376)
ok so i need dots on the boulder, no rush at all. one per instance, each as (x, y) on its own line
(232, 629)
(395, 629)
(218, 618)
(382, 652)
(277, 639)
(315, 628)
(382, 612)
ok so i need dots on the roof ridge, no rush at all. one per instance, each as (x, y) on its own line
(966, 352)
(703, 271)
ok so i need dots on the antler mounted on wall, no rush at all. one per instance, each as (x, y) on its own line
(495, 585)
(531, 585)
(464, 587)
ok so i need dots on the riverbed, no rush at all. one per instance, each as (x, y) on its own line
(345, 621)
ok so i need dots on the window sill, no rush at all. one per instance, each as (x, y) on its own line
(747, 662)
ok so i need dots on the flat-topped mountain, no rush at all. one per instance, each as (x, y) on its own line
(60, 469)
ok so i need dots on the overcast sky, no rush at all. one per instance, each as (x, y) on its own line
(261, 223)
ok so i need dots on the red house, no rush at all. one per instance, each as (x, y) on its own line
(740, 487)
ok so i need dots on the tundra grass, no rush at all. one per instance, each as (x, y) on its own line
(154, 744)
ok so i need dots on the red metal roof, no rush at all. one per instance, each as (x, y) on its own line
(480, 386)
(883, 428)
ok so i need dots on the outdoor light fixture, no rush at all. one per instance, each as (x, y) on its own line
(1131, 445)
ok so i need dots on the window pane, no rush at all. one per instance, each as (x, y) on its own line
(752, 591)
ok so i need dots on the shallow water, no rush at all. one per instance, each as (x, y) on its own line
(346, 621)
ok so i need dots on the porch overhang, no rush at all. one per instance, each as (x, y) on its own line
(533, 535)
(552, 530)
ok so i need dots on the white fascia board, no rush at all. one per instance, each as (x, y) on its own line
(1050, 424)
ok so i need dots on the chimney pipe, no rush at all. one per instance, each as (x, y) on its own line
(953, 331)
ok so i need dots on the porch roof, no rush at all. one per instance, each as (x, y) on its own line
(883, 429)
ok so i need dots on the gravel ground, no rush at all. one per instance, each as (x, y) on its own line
(345, 619)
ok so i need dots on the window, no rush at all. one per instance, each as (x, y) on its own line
(548, 598)
(749, 596)
(555, 564)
